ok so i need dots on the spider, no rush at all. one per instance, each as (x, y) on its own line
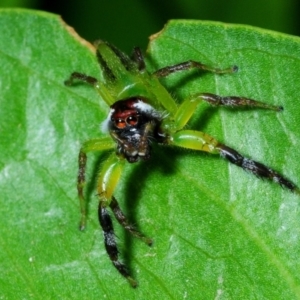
(143, 112)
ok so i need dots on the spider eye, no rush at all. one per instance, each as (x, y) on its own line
(120, 123)
(132, 120)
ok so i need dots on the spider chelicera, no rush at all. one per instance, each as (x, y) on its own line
(142, 112)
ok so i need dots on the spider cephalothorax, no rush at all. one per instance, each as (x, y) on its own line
(136, 99)
(133, 124)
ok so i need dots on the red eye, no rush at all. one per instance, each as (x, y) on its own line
(120, 123)
(132, 120)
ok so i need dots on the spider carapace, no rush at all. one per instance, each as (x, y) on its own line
(142, 112)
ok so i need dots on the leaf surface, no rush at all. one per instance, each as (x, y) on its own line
(219, 232)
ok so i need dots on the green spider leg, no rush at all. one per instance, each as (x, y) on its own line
(101, 89)
(107, 181)
(191, 64)
(201, 141)
(198, 140)
(101, 144)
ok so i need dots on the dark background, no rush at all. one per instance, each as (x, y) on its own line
(128, 23)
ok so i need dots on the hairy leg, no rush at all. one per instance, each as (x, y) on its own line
(256, 168)
(137, 56)
(82, 77)
(121, 218)
(200, 141)
(110, 243)
(191, 64)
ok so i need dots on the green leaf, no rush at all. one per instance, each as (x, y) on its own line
(219, 232)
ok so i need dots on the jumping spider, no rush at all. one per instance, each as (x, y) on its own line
(142, 112)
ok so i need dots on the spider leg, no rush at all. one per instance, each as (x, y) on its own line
(234, 101)
(187, 108)
(256, 168)
(99, 86)
(92, 145)
(107, 181)
(83, 77)
(191, 64)
(110, 243)
(114, 205)
(82, 158)
(138, 57)
(198, 140)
